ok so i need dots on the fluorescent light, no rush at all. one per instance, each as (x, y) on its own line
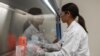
(49, 5)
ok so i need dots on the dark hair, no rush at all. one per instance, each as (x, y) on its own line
(33, 11)
(73, 9)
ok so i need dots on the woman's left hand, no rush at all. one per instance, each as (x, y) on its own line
(40, 53)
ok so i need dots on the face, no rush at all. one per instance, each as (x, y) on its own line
(64, 17)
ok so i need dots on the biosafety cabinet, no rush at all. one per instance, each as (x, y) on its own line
(14, 15)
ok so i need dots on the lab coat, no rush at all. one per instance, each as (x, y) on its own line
(74, 42)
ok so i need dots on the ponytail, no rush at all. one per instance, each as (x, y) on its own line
(81, 21)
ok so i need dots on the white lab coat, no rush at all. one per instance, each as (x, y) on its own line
(74, 42)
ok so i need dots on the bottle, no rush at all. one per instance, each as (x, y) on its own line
(21, 47)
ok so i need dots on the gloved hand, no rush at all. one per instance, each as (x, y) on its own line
(32, 49)
(40, 53)
(52, 47)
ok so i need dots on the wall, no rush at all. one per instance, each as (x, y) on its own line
(90, 10)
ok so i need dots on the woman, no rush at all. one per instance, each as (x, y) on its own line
(74, 41)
